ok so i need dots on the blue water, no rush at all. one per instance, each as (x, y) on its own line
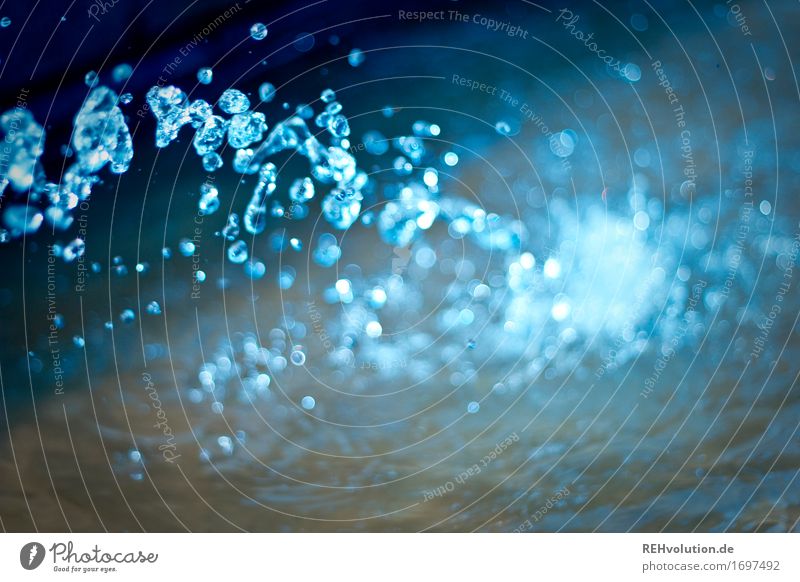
(455, 275)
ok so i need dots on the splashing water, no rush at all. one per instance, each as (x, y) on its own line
(500, 294)
(100, 139)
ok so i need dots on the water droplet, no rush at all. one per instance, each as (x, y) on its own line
(231, 230)
(308, 402)
(561, 307)
(355, 58)
(226, 444)
(210, 135)
(153, 308)
(552, 268)
(641, 220)
(373, 329)
(425, 129)
(209, 199)
(338, 126)
(127, 316)
(121, 73)
(22, 146)
(431, 178)
(212, 162)
(341, 213)
(237, 252)
(639, 22)
(22, 219)
(266, 92)
(563, 143)
(301, 190)
(333, 108)
(473, 407)
(503, 128)
(258, 31)
(91, 79)
(246, 128)
(298, 357)
(304, 42)
(255, 269)
(255, 214)
(205, 75)
(73, 250)
(186, 247)
(243, 161)
(375, 143)
(78, 341)
(688, 189)
(327, 252)
(100, 137)
(234, 101)
(632, 72)
(304, 111)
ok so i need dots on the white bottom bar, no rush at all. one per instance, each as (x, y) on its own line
(370, 557)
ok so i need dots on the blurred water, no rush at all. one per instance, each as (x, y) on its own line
(600, 357)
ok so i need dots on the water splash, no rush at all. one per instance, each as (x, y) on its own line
(100, 139)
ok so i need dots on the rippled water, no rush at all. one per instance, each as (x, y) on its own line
(567, 304)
